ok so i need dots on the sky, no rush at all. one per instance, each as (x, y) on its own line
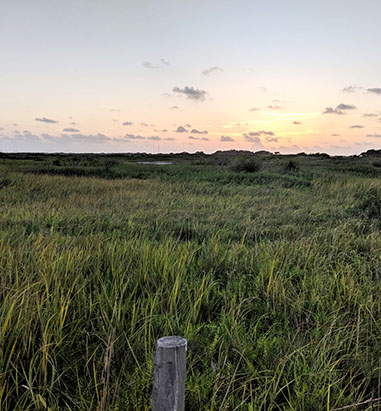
(163, 76)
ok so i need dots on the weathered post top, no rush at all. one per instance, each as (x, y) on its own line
(168, 392)
(172, 341)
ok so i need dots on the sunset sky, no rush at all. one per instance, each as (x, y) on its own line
(196, 75)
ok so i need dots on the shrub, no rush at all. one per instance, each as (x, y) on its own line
(248, 166)
(291, 166)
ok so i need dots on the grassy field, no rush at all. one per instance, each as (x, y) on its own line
(269, 266)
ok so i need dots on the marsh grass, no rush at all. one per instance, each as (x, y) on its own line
(276, 287)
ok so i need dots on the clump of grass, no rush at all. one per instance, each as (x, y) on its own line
(250, 165)
(291, 166)
(370, 205)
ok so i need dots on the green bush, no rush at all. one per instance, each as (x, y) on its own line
(248, 166)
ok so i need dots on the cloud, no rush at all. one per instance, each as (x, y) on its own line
(70, 130)
(195, 131)
(191, 93)
(350, 89)
(370, 115)
(193, 138)
(211, 70)
(25, 137)
(174, 108)
(340, 109)
(260, 133)
(1, 128)
(45, 120)
(144, 124)
(133, 137)
(226, 138)
(276, 105)
(376, 90)
(297, 123)
(343, 106)
(272, 139)
(127, 123)
(335, 135)
(181, 129)
(252, 139)
(205, 139)
(330, 110)
(164, 130)
(78, 138)
(188, 125)
(375, 135)
(71, 142)
(73, 123)
(254, 109)
(149, 65)
(356, 126)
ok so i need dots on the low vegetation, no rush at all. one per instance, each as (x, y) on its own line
(272, 273)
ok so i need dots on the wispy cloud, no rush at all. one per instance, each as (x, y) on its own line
(260, 133)
(127, 123)
(149, 65)
(370, 115)
(195, 131)
(276, 105)
(226, 139)
(211, 70)
(134, 137)
(272, 139)
(252, 139)
(45, 120)
(191, 93)
(351, 89)
(297, 123)
(174, 108)
(254, 109)
(70, 130)
(330, 110)
(78, 138)
(375, 90)
(152, 66)
(340, 109)
(356, 126)
(375, 135)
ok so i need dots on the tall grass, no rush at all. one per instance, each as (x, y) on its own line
(275, 287)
